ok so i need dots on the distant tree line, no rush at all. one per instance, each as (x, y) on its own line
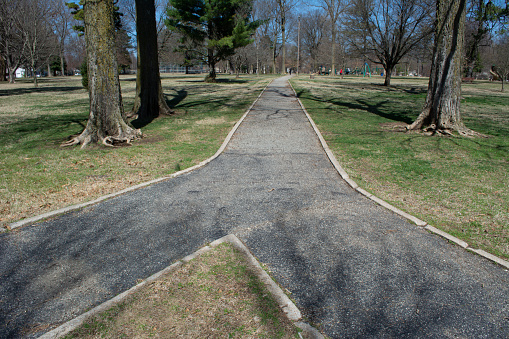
(455, 38)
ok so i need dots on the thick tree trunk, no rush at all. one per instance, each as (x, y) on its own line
(388, 75)
(149, 101)
(441, 113)
(12, 75)
(106, 122)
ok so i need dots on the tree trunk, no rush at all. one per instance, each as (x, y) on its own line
(283, 47)
(149, 101)
(211, 77)
(388, 75)
(34, 73)
(62, 65)
(106, 122)
(274, 56)
(333, 56)
(441, 113)
(2, 69)
(12, 75)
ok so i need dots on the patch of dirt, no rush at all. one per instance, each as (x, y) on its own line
(151, 139)
(211, 121)
(396, 126)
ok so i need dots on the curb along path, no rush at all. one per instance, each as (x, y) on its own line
(390, 207)
(353, 267)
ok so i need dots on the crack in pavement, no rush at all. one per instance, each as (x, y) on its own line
(354, 268)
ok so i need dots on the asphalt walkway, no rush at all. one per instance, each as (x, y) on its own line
(354, 268)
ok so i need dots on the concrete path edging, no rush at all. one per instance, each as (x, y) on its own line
(390, 207)
(291, 311)
(63, 210)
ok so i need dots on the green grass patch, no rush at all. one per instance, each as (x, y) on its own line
(460, 185)
(37, 175)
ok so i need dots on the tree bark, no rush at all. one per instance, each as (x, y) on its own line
(283, 46)
(149, 101)
(211, 61)
(2, 69)
(441, 113)
(333, 56)
(388, 75)
(106, 122)
(62, 64)
(274, 55)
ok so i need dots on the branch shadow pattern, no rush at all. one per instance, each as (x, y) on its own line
(380, 107)
(22, 91)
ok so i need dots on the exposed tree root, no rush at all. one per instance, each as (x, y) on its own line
(86, 138)
(132, 115)
(448, 132)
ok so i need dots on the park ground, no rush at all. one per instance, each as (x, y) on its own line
(457, 184)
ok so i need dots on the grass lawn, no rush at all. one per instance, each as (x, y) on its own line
(37, 175)
(459, 185)
(213, 296)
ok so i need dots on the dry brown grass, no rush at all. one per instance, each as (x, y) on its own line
(213, 296)
(37, 175)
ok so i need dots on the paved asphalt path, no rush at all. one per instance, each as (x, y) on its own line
(354, 268)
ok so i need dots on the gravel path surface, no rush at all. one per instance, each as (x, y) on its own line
(354, 268)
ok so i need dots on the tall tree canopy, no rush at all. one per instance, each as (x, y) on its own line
(212, 29)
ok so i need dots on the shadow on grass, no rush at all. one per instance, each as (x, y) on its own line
(21, 91)
(218, 81)
(231, 81)
(177, 99)
(381, 108)
(174, 101)
(44, 130)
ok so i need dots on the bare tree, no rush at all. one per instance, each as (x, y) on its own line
(386, 30)
(283, 8)
(12, 43)
(107, 122)
(501, 60)
(441, 113)
(334, 9)
(269, 33)
(38, 34)
(61, 20)
(313, 36)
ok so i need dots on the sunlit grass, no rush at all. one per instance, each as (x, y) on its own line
(37, 175)
(460, 185)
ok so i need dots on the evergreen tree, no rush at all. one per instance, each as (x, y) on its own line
(212, 29)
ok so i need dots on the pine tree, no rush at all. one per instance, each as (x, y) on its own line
(212, 29)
